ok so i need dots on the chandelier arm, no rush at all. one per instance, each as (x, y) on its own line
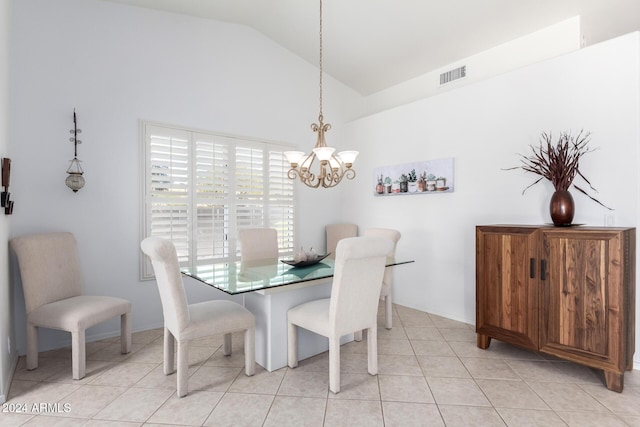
(350, 173)
(335, 180)
(293, 172)
(335, 177)
(309, 161)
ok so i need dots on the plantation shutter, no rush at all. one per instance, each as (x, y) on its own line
(280, 204)
(200, 188)
(212, 189)
(168, 200)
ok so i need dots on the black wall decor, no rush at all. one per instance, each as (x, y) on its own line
(7, 203)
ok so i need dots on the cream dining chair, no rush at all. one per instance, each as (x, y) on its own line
(258, 243)
(387, 280)
(352, 307)
(335, 232)
(52, 284)
(184, 323)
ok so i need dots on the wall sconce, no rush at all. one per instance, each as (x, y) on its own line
(7, 204)
(75, 180)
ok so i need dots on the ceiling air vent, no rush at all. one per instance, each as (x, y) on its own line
(455, 74)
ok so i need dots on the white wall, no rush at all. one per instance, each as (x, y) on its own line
(7, 358)
(117, 64)
(483, 126)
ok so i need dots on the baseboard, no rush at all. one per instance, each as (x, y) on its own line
(7, 384)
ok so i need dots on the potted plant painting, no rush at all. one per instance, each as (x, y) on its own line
(411, 179)
(431, 182)
(422, 182)
(387, 185)
(441, 183)
(404, 186)
(559, 163)
(379, 186)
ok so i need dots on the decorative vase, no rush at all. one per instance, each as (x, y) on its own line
(561, 208)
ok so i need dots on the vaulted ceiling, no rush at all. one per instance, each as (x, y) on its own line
(371, 45)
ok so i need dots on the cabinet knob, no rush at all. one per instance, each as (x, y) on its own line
(543, 269)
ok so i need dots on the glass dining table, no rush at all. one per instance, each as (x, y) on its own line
(264, 275)
(269, 288)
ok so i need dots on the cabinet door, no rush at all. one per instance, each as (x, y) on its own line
(507, 285)
(582, 297)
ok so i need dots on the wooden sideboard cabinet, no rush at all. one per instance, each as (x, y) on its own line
(564, 291)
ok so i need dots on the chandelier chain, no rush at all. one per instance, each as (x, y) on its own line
(320, 58)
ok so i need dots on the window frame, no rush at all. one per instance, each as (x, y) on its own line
(235, 143)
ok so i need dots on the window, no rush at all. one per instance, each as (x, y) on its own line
(201, 187)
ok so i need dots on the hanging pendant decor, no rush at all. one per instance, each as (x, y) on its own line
(75, 180)
(7, 203)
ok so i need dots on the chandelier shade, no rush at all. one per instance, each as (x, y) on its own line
(322, 167)
(348, 157)
(323, 153)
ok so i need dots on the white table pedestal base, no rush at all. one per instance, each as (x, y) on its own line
(270, 308)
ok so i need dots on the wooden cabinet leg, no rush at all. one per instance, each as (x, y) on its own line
(483, 341)
(614, 380)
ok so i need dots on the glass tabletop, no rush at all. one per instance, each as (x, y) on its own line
(240, 277)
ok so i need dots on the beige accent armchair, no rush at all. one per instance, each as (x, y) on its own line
(335, 232)
(353, 305)
(184, 323)
(258, 243)
(52, 284)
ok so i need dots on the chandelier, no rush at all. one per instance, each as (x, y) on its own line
(322, 167)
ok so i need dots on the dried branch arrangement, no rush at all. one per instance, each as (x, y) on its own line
(559, 162)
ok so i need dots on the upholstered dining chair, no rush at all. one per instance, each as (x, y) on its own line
(185, 322)
(353, 305)
(52, 285)
(258, 243)
(387, 280)
(335, 232)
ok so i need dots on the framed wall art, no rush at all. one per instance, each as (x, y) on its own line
(424, 177)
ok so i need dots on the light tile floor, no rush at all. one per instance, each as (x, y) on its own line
(430, 373)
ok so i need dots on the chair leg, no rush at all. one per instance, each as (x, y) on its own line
(32, 346)
(169, 348)
(78, 359)
(125, 333)
(334, 364)
(226, 345)
(250, 351)
(183, 368)
(292, 345)
(357, 336)
(388, 311)
(372, 349)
